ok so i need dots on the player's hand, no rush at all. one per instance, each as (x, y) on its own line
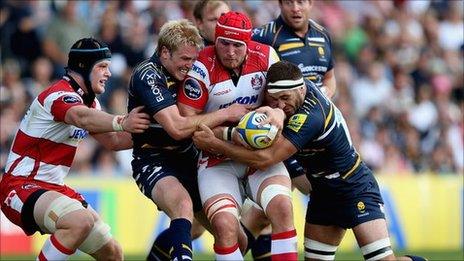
(275, 116)
(236, 111)
(204, 139)
(136, 121)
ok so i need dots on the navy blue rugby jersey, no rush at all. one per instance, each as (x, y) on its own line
(152, 86)
(312, 54)
(319, 132)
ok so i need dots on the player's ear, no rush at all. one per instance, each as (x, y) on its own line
(165, 53)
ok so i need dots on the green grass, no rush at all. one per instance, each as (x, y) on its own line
(430, 255)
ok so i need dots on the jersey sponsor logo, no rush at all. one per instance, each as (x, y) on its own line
(78, 134)
(241, 100)
(296, 121)
(192, 89)
(199, 71)
(312, 68)
(29, 186)
(222, 92)
(70, 99)
(151, 80)
(257, 82)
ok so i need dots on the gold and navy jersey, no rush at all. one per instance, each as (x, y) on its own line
(312, 54)
(319, 132)
(154, 88)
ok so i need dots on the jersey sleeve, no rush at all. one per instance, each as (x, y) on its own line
(60, 102)
(304, 127)
(331, 64)
(262, 35)
(151, 89)
(194, 89)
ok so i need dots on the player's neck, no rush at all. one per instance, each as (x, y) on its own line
(79, 80)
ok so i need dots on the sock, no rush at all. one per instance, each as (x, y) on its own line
(181, 239)
(228, 253)
(261, 250)
(54, 250)
(250, 239)
(160, 249)
(283, 246)
(416, 258)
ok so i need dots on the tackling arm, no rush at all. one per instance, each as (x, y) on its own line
(180, 127)
(280, 150)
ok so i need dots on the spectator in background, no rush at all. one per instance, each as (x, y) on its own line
(61, 34)
(306, 44)
(206, 13)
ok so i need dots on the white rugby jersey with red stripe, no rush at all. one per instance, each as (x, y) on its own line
(44, 146)
(209, 86)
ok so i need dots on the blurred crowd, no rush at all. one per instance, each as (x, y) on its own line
(399, 67)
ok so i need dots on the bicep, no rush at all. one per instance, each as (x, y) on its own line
(170, 119)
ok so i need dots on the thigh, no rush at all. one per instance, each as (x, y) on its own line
(261, 178)
(330, 235)
(370, 231)
(223, 178)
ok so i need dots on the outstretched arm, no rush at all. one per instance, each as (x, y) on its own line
(181, 127)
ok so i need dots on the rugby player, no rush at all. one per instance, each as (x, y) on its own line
(345, 194)
(164, 158)
(230, 72)
(32, 191)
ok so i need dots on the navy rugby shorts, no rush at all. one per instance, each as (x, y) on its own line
(148, 168)
(347, 202)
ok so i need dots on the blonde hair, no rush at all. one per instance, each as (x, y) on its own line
(177, 33)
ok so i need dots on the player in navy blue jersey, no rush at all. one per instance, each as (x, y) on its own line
(164, 158)
(345, 194)
(300, 40)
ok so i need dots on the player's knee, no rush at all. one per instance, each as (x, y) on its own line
(223, 206)
(318, 250)
(69, 214)
(377, 250)
(82, 223)
(98, 238)
(271, 192)
(280, 211)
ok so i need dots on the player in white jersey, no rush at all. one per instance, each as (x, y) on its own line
(32, 191)
(234, 71)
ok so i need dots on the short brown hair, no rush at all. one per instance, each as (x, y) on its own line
(202, 4)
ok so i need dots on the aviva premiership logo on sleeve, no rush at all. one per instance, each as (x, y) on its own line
(296, 121)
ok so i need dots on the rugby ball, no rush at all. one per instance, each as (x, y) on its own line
(252, 134)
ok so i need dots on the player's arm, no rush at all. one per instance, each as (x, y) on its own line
(329, 83)
(181, 127)
(108, 129)
(280, 150)
(96, 121)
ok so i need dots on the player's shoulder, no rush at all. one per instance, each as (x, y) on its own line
(317, 28)
(148, 71)
(266, 32)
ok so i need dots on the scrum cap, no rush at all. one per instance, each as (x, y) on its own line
(234, 26)
(85, 53)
